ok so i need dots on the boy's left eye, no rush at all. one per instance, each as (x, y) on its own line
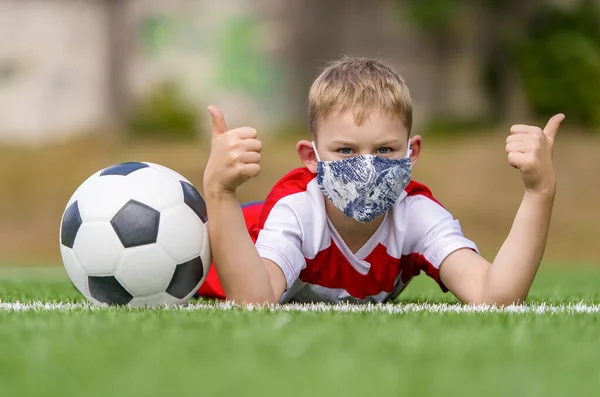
(384, 150)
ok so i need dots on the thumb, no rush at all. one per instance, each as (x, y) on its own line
(218, 120)
(551, 127)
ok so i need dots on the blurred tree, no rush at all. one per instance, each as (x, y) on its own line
(504, 22)
(495, 25)
(541, 56)
(318, 31)
(119, 47)
(559, 60)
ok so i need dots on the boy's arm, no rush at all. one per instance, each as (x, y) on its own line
(508, 280)
(245, 276)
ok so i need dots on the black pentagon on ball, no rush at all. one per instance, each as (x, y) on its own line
(107, 289)
(136, 224)
(194, 200)
(124, 168)
(187, 275)
(70, 225)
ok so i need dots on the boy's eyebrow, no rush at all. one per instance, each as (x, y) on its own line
(384, 142)
(342, 142)
(388, 142)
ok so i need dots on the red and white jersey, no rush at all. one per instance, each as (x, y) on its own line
(294, 231)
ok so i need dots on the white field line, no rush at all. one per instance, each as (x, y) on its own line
(387, 308)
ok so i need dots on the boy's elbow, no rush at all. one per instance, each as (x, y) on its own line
(489, 293)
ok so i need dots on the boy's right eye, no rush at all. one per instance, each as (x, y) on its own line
(345, 151)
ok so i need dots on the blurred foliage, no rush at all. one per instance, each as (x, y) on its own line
(559, 62)
(554, 51)
(164, 114)
(242, 63)
(433, 16)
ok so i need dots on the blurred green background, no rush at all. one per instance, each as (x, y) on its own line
(88, 83)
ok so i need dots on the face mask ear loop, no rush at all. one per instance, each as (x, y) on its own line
(408, 150)
(315, 149)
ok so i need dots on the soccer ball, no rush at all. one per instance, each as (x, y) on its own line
(135, 234)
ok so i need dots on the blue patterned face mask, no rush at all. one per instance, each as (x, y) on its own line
(365, 186)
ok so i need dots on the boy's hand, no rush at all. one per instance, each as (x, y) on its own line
(529, 149)
(234, 156)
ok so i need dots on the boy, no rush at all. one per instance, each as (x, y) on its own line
(351, 225)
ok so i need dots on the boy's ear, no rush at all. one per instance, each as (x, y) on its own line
(307, 155)
(416, 143)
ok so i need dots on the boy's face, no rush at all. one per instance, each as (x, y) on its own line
(339, 137)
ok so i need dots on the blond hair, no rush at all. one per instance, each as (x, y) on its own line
(361, 85)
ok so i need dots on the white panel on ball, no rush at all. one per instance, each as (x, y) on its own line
(74, 270)
(98, 248)
(177, 222)
(159, 300)
(155, 188)
(168, 171)
(145, 270)
(100, 198)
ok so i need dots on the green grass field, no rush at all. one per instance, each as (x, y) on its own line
(409, 349)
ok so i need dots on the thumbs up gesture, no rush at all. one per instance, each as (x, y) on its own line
(234, 156)
(530, 150)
